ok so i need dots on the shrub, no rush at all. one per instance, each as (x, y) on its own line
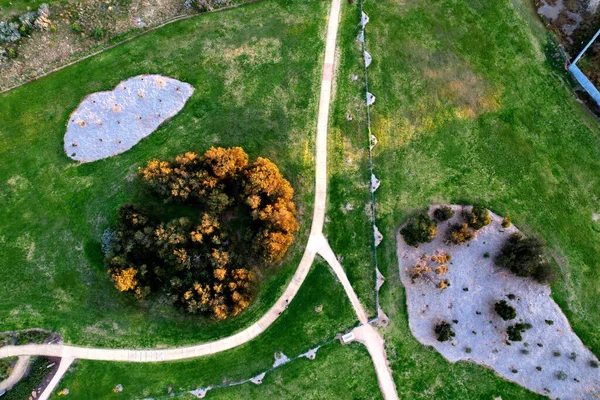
(505, 311)
(76, 27)
(594, 364)
(108, 237)
(98, 33)
(420, 229)
(515, 331)
(506, 222)
(525, 258)
(478, 217)
(459, 234)
(12, 52)
(444, 332)
(561, 376)
(573, 356)
(9, 32)
(443, 213)
(486, 255)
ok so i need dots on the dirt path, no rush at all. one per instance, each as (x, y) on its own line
(16, 374)
(316, 244)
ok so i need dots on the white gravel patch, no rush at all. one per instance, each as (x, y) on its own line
(480, 329)
(109, 123)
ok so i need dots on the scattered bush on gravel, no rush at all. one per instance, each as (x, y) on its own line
(515, 331)
(420, 229)
(506, 222)
(561, 376)
(244, 217)
(444, 332)
(594, 364)
(459, 234)
(443, 213)
(478, 217)
(505, 310)
(525, 258)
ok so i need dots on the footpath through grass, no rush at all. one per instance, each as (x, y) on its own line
(256, 71)
(319, 312)
(468, 108)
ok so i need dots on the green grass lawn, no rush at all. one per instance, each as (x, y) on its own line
(257, 81)
(299, 329)
(468, 109)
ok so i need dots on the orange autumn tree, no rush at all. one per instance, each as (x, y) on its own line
(209, 263)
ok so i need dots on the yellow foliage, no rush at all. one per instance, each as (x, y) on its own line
(125, 279)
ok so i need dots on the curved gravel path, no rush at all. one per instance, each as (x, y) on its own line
(317, 244)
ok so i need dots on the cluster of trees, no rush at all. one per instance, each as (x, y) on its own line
(208, 262)
(524, 256)
(420, 229)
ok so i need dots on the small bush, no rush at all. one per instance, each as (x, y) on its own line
(12, 52)
(98, 33)
(444, 332)
(420, 229)
(525, 258)
(505, 311)
(549, 322)
(556, 354)
(594, 364)
(468, 350)
(561, 376)
(76, 27)
(538, 368)
(506, 222)
(486, 255)
(573, 356)
(459, 234)
(478, 217)
(515, 331)
(525, 351)
(444, 213)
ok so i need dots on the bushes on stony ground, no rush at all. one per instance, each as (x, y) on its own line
(459, 234)
(478, 217)
(420, 229)
(524, 256)
(505, 310)
(444, 332)
(515, 331)
(208, 262)
(443, 213)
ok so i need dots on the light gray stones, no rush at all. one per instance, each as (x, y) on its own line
(368, 59)
(374, 183)
(373, 141)
(311, 354)
(361, 36)
(109, 123)
(370, 99)
(280, 359)
(258, 379)
(364, 19)
(200, 392)
(377, 235)
(476, 284)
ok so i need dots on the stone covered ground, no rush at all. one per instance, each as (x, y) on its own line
(551, 359)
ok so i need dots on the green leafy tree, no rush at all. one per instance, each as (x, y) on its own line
(420, 229)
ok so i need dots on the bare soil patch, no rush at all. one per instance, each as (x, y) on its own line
(550, 359)
(109, 123)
